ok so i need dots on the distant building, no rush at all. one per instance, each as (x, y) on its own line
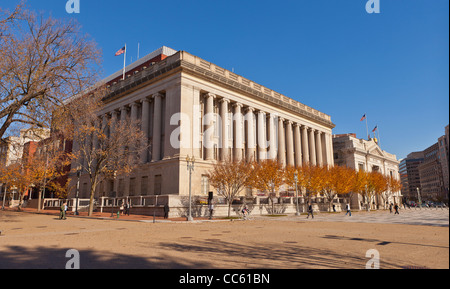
(361, 154)
(11, 148)
(443, 156)
(431, 178)
(409, 175)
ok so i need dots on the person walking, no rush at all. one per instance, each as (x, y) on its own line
(396, 209)
(390, 208)
(349, 211)
(211, 210)
(166, 211)
(127, 208)
(62, 211)
(310, 211)
(245, 212)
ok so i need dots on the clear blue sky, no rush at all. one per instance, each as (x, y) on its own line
(331, 55)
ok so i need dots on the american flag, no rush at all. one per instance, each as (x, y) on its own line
(375, 128)
(363, 117)
(121, 51)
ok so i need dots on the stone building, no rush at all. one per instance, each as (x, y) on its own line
(361, 154)
(189, 106)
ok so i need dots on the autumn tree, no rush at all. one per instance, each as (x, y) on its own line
(100, 148)
(229, 178)
(337, 180)
(43, 62)
(392, 185)
(268, 176)
(46, 166)
(313, 180)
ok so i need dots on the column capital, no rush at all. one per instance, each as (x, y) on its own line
(249, 108)
(238, 104)
(296, 124)
(123, 108)
(158, 94)
(290, 122)
(281, 119)
(262, 112)
(135, 104)
(145, 99)
(223, 99)
(209, 94)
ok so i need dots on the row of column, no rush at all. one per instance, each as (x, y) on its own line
(155, 123)
(271, 137)
(290, 142)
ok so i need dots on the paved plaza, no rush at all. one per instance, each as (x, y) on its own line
(413, 239)
(415, 216)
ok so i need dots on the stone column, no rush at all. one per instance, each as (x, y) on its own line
(281, 142)
(112, 125)
(145, 118)
(250, 135)
(134, 112)
(157, 115)
(328, 149)
(238, 132)
(224, 137)
(290, 144)
(297, 146)
(312, 148)
(319, 151)
(273, 137)
(305, 146)
(208, 134)
(262, 145)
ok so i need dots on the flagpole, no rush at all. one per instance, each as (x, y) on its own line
(124, 61)
(378, 130)
(367, 128)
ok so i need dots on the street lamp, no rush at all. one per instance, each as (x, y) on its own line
(190, 167)
(418, 196)
(78, 189)
(297, 213)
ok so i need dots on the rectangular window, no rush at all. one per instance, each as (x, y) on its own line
(158, 181)
(144, 185)
(132, 187)
(205, 184)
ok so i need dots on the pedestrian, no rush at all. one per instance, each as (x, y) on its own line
(310, 211)
(396, 209)
(211, 210)
(166, 211)
(121, 208)
(127, 208)
(349, 212)
(62, 212)
(390, 208)
(334, 208)
(245, 212)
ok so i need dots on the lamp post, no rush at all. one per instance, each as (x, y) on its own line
(78, 189)
(418, 196)
(297, 213)
(190, 167)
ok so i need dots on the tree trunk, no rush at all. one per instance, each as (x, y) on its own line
(229, 208)
(39, 200)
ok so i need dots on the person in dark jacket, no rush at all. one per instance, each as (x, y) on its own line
(166, 211)
(310, 211)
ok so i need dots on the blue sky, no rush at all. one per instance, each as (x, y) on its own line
(328, 54)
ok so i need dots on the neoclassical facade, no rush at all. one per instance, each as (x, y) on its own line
(190, 107)
(366, 155)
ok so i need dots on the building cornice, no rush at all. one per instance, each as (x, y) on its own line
(193, 65)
